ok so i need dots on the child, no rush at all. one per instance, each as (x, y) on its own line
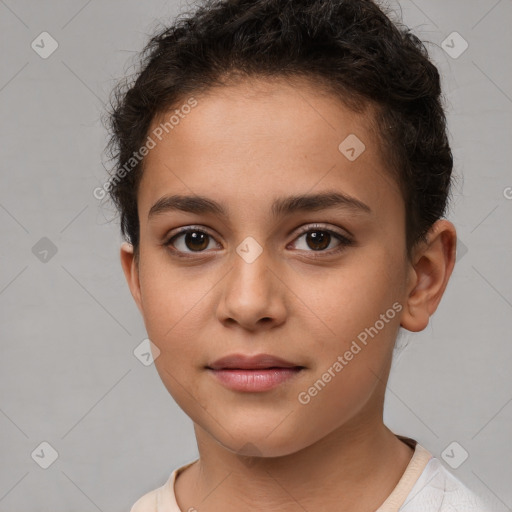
(301, 147)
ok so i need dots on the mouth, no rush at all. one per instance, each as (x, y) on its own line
(258, 373)
(253, 373)
(255, 369)
(255, 380)
(252, 362)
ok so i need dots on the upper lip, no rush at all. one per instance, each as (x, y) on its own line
(244, 362)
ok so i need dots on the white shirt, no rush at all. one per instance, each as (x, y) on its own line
(425, 486)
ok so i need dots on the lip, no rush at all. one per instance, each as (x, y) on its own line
(255, 380)
(254, 362)
(257, 373)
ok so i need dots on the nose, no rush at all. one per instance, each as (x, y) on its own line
(253, 296)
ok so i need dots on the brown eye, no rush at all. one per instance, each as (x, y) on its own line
(315, 240)
(189, 241)
(318, 240)
(196, 240)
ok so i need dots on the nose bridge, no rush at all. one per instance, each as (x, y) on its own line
(250, 292)
(250, 274)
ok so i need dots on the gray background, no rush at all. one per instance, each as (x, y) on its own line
(69, 326)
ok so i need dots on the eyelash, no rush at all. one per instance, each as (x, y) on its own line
(344, 241)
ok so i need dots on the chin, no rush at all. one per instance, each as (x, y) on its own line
(252, 441)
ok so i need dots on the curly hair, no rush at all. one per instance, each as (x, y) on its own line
(347, 47)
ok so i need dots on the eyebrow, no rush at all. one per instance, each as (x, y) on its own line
(280, 207)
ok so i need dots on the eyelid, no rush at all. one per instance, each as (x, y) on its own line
(185, 229)
(323, 227)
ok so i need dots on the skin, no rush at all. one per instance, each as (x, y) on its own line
(244, 145)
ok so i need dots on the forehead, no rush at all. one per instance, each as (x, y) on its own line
(245, 144)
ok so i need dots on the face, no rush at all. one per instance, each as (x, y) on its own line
(323, 284)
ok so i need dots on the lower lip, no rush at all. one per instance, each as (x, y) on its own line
(254, 380)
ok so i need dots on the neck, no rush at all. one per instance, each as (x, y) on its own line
(332, 474)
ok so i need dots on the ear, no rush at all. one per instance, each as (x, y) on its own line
(131, 272)
(430, 271)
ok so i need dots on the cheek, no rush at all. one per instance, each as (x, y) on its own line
(172, 302)
(356, 318)
(343, 301)
(352, 343)
(172, 298)
(171, 305)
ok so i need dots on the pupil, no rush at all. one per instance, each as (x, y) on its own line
(196, 237)
(319, 237)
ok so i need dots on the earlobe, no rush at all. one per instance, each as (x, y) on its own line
(429, 275)
(131, 272)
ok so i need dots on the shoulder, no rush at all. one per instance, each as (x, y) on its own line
(438, 489)
(146, 503)
(161, 498)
